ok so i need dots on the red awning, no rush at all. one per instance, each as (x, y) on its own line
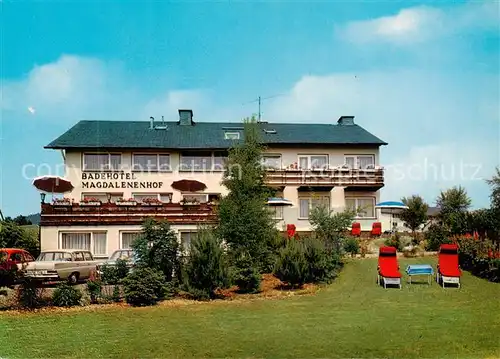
(52, 184)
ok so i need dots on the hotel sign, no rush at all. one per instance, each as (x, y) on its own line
(116, 180)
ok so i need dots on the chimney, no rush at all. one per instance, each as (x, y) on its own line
(346, 120)
(152, 122)
(186, 117)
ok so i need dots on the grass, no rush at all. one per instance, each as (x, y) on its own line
(353, 317)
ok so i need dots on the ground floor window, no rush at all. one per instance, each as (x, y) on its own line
(363, 206)
(96, 242)
(128, 238)
(103, 197)
(307, 204)
(277, 212)
(186, 240)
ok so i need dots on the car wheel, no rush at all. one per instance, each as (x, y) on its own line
(73, 278)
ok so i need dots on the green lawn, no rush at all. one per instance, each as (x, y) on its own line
(350, 318)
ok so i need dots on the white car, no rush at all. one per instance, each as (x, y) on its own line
(61, 264)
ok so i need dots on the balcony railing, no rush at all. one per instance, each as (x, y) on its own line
(112, 213)
(327, 177)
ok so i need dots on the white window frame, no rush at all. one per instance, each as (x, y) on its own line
(273, 155)
(103, 195)
(356, 160)
(96, 255)
(310, 199)
(158, 166)
(231, 135)
(109, 154)
(356, 205)
(214, 167)
(125, 232)
(277, 212)
(309, 161)
(205, 195)
(191, 234)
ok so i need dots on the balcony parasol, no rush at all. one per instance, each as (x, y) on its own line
(52, 184)
(189, 185)
(277, 201)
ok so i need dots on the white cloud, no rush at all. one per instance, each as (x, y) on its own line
(422, 23)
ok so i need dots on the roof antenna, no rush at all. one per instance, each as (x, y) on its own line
(259, 101)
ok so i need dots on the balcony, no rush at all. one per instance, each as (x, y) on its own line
(114, 214)
(372, 179)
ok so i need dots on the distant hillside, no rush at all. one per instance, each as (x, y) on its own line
(34, 218)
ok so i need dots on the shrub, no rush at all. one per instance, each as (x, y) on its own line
(7, 298)
(113, 274)
(144, 286)
(30, 294)
(351, 246)
(94, 287)
(66, 295)
(7, 276)
(322, 262)
(206, 268)
(246, 275)
(291, 266)
(435, 236)
(116, 296)
(394, 241)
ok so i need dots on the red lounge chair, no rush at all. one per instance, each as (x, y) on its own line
(448, 270)
(376, 229)
(356, 229)
(388, 267)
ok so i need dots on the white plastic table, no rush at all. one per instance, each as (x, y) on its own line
(420, 269)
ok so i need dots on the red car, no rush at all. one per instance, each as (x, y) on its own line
(11, 257)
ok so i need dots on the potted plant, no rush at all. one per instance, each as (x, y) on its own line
(90, 201)
(126, 202)
(152, 201)
(62, 202)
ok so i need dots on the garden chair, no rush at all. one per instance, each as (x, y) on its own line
(356, 229)
(376, 229)
(448, 270)
(388, 267)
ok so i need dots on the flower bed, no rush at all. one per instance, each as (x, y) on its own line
(126, 202)
(90, 201)
(480, 257)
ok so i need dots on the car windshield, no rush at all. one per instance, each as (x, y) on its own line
(54, 256)
(125, 255)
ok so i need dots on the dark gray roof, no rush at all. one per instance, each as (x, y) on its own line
(138, 134)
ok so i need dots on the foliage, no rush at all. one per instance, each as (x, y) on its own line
(14, 236)
(435, 236)
(453, 205)
(207, 266)
(322, 262)
(30, 295)
(66, 295)
(291, 265)
(158, 248)
(330, 226)
(416, 214)
(245, 224)
(246, 275)
(7, 298)
(94, 288)
(494, 183)
(394, 241)
(144, 286)
(480, 257)
(351, 246)
(113, 274)
(116, 296)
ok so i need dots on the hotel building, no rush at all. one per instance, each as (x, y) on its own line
(123, 171)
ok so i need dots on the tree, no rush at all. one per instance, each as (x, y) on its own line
(416, 214)
(331, 226)
(14, 236)
(22, 220)
(494, 183)
(453, 205)
(207, 267)
(158, 248)
(245, 224)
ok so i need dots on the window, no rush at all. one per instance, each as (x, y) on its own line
(307, 204)
(54, 256)
(364, 206)
(277, 212)
(16, 257)
(96, 242)
(87, 256)
(360, 161)
(196, 161)
(313, 162)
(78, 256)
(101, 162)
(231, 135)
(219, 160)
(151, 162)
(271, 161)
(99, 196)
(186, 240)
(128, 238)
(166, 197)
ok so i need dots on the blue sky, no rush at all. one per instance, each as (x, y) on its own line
(423, 76)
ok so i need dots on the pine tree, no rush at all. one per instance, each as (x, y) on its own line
(245, 223)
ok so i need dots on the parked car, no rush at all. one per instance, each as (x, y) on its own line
(62, 264)
(123, 254)
(10, 260)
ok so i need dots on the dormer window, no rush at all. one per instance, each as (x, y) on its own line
(231, 135)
